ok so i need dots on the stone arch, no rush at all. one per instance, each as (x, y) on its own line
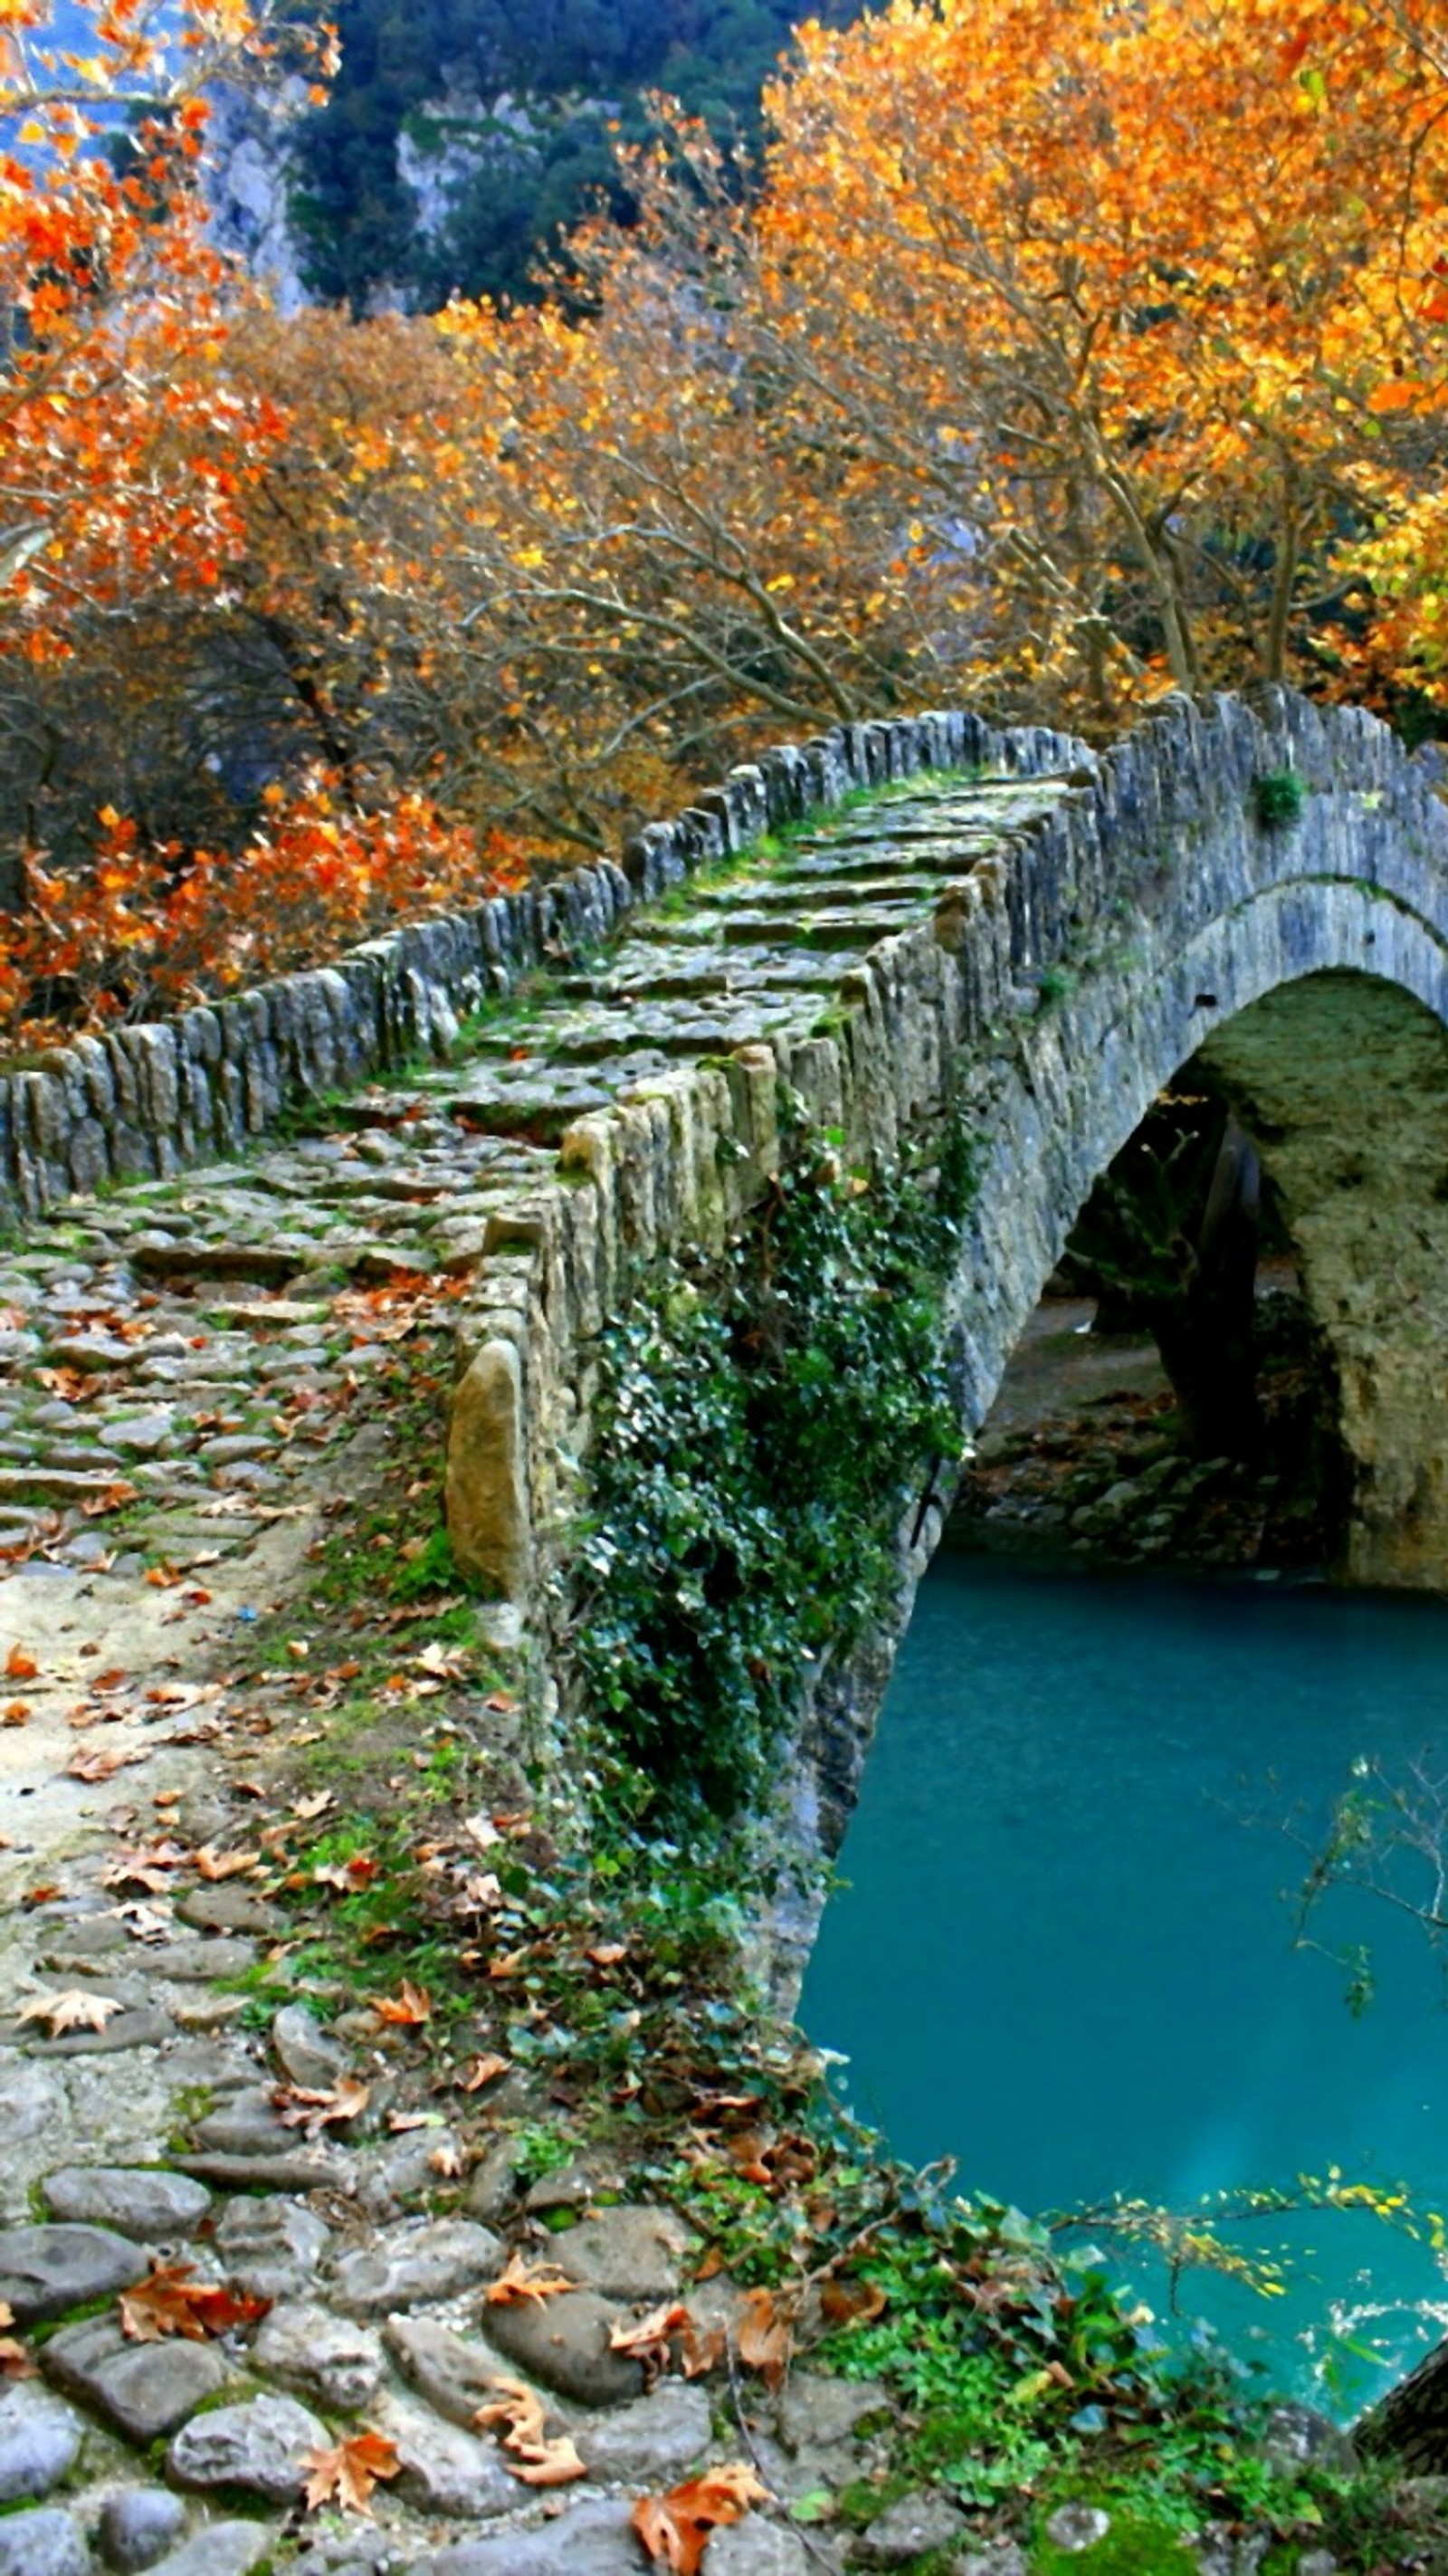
(1322, 1013)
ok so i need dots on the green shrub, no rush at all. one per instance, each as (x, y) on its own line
(755, 1426)
(1277, 799)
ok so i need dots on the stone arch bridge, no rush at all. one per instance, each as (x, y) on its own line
(1051, 937)
(889, 918)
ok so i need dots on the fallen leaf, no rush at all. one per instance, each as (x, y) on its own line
(529, 2454)
(483, 2070)
(15, 1712)
(451, 1662)
(845, 2302)
(675, 2528)
(409, 2007)
(138, 1869)
(170, 2302)
(607, 1954)
(520, 2281)
(346, 1875)
(764, 2337)
(70, 2010)
(94, 1762)
(213, 1864)
(305, 2107)
(110, 1501)
(447, 2162)
(15, 2361)
(651, 2342)
(20, 1665)
(350, 2471)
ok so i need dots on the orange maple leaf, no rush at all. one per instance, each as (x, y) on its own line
(530, 2455)
(652, 2342)
(676, 2527)
(409, 2007)
(170, 2302)
(520, 2281)
(350, 2471)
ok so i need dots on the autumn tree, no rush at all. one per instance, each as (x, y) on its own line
(1129, 296)
(179, 818)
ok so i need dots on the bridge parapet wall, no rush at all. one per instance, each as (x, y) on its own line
(149, 1100)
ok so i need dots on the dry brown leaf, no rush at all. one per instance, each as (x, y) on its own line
(146, 1868)
(349, 2473)
(110, 1501)
(529, 2454)
(231, 1864)
(21, 1665)
(764, 2337)
(446, 2161)
(170, 2302)
(409, 2007)
(15, 2361)
(843, 2302)
(483, 2070)
(651, 2342)
(71, 2010)
(308, 2108)
(15, 1712)
(676, 2527)
(91, 1762)
(520, 2281)
(346, 1875)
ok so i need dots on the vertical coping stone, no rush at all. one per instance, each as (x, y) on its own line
(828, 769)
(488, 1517)
(748, 798)
(785, 771)
(707, 830)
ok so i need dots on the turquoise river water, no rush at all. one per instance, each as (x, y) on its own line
(1062, 1953)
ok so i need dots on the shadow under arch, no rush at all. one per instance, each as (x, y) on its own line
(1339, 1073)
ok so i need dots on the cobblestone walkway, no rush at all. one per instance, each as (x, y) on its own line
(197, 1381)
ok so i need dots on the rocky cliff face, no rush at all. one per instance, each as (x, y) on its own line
(448, 149)
(249, 185)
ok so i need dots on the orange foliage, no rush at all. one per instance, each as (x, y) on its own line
(1072, 352)
(125, 449)
(140, 931)
(1129, 293)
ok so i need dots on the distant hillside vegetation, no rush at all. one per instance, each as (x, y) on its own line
(461, 134)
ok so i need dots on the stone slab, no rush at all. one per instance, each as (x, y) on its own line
(46, 2270)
